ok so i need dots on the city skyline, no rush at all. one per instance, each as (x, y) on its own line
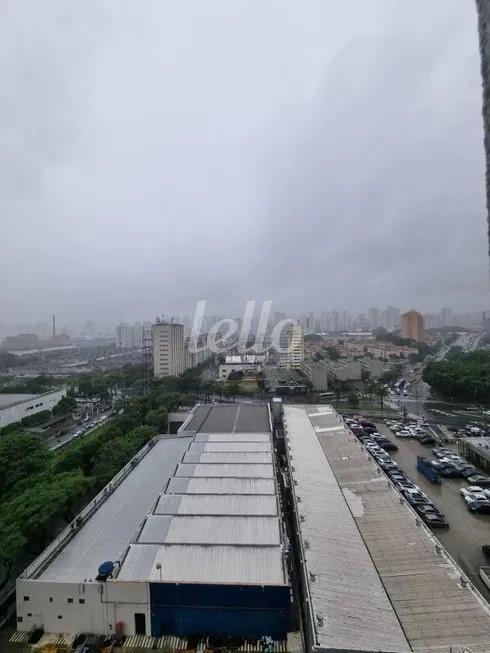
(129, 331)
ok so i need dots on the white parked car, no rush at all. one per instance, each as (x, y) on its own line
(404, 433)
(476, 496)
(471, 489)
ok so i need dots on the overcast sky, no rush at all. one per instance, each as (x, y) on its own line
(324, 155)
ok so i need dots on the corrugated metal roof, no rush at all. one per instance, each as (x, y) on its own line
(226, 470)
(345, 586)
(233, 457)
(209, 447)
(233, 437)
(216, 504)
(179, 529)
(256, 565)
(207, 486)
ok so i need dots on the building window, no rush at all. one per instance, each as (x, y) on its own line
(70, 600)
(50, 599)
(81, 601)
(26, 598)
(60, 616)
(19, 619)
(29, 614)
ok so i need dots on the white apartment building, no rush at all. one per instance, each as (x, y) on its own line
(293, 346)
(168, 349)
(129, 336)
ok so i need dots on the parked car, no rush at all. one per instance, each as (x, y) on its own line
(403, 433)
(479, 479)
(435, 520)
(482, 507)
(471, 489)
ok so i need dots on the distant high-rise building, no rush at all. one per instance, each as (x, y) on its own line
(412, 324)
(292, 346)
(483, 8)
(374, 317)
(430, 321)
(168, 349)
(447, 317)
(308, 322)
(129, 336)
(278, 317)
(391, 318)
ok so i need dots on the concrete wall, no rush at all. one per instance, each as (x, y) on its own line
(90, 607)
(15, 413)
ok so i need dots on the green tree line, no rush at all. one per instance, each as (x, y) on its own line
(464, 377)
(41, 491)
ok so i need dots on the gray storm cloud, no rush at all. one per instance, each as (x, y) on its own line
(155, 154)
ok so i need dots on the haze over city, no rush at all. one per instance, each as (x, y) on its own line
(157, 155)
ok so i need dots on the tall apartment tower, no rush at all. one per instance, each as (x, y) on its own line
(483, 8)
(293, 346)
(412, 326)
(168, 349)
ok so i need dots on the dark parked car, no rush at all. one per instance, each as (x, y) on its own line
(435, 520)
(468, 470)
(452, 471)
(482, 507)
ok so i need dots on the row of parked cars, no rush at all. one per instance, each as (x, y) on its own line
(409, 491)
(364, 428)
(450, 465)
(410, 430)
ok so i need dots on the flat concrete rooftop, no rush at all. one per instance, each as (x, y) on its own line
(108, 532)
(230, 418)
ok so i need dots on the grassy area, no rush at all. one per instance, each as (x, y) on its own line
(249, 386)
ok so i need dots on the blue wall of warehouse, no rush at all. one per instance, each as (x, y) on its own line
(194, 609)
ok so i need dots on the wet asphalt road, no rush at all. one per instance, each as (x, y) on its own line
(467, 531)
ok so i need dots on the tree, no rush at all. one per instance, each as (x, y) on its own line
(353, 400)
(157, 418)
(22, 456)
(65, 405)
(465, 377)
(382, 392)
(36, 511)
(332, 353)
(11, 544)
(231, 389)
(139, 436)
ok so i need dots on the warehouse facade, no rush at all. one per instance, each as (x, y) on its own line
(193, 531)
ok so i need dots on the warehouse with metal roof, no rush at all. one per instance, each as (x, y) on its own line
(372, 576)
(192, 535)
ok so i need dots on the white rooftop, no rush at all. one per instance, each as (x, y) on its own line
(107, 533)
(11, 399)
(204, 564)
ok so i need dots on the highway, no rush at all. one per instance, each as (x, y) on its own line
(57, 442)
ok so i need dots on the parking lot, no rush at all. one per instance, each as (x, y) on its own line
(467, 531)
